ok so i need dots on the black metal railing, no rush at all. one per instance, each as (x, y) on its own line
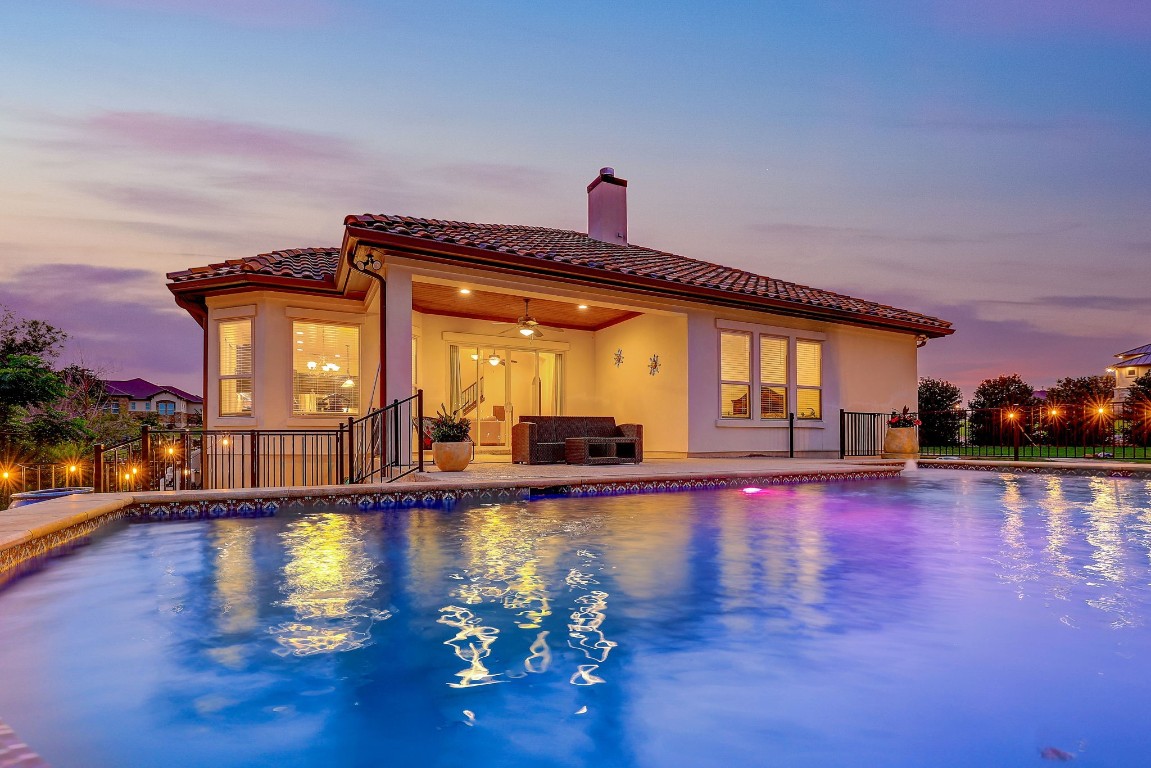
(1051, 431)
(381, 446)
(861, 433)
(386, 444)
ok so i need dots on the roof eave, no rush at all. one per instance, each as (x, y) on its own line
(434, 250)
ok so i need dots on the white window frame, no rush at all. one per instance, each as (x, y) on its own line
(751, 373)
(793, 335)
(335, 319)
(222, 377)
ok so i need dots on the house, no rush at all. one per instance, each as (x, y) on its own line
(1131, 365)
(507, 321)
(138, 397)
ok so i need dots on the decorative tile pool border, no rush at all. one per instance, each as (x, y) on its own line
(28, 556)
(1038, 469)
(436, 497)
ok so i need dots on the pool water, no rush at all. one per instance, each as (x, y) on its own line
(942, 619)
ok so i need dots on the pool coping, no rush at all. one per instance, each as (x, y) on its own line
(34, 532)
(1088, 468)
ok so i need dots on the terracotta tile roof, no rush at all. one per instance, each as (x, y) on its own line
(578, 249)
(563, 247)
(317, 264)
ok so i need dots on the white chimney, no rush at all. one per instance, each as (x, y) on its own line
(607, 208)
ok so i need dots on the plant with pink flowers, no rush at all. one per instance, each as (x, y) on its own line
(905, 419)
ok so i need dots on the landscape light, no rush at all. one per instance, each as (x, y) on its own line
(72, 468)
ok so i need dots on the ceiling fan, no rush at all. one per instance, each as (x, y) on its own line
(527, 326)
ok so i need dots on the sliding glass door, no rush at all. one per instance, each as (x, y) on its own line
(495, 386)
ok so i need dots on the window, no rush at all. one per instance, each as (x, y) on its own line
(735, 375)
(1130, 371)
(808, 379)
(148, 406)
(788, 378)
(132, 405)
(773, 377)
(166, 408)
(236, 368)
(325, 368)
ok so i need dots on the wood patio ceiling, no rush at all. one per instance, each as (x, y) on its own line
(435, 299)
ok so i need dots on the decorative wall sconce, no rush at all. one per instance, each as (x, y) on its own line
(617, 358)
(653, 365)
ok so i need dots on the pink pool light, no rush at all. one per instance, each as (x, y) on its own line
(752, 489)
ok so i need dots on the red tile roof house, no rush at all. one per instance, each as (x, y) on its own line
(507, 321)
(138, 397)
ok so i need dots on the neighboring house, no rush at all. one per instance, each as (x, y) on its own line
(138, 397)
(1132, 364)
(709, 359)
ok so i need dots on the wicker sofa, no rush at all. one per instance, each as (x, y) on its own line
(576, 439)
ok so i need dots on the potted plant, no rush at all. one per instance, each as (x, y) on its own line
(902, 438)
(451, 445)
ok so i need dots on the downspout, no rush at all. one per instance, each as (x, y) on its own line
(369, 265)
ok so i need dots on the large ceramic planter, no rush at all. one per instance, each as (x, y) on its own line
(451, 457)
(901, 443)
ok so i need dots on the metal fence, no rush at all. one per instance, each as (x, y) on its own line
(379, 447)
(861, 434)
(1100, 431)
(387, 444)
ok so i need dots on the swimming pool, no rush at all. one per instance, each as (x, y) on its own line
(944, 619)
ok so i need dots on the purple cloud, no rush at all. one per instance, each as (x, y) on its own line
(182, 137)
(156, 199)
(121, 322)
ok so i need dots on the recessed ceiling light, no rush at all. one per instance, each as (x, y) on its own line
(465, 291)
(582, 306)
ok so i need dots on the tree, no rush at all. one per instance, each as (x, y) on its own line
(988, 423)
(20, 336)
(1074, 409)
(1137, 410)
(26, 381)
(937, 410)
(86, 392)
(1088, 391)
(1003, 391)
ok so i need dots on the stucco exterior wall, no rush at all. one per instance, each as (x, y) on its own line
(631, 394)
(272, 315)
(866, 370)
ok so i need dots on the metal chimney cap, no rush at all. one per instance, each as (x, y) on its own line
(607, 171)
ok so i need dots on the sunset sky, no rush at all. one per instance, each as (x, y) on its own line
(986, 161)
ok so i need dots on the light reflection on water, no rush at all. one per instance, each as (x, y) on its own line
(820, 625)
